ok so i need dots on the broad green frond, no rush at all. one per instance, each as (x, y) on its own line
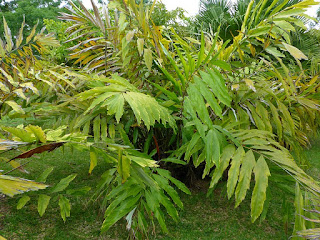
(118, 92)
(261, 172)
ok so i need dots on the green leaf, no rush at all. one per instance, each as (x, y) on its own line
(234, 170)
(246, 16)
(159, 215)
(198, 104)
(38, 133)
(174, 160)
(146, 108)
(274, 51)
(170, 94)
(284, 25)
(212, 148)
(104, 129)
(64, 207)
(96, 128)
(287, 117)
(258, 31)
(208, 96)
(257, 119)
(123, 166)
(200, 127)
(170, 78)
(112, 131)
(151, 200)
(201, 52)
(175, 66)
(261, 172)
(183, 61)
(299, 223)
(164, 184)
(171, 210)
(222, 64)
(192, 143)
(217, 84)
(101, 98)
(43, 203)
(93, 160)
(180, 185)
(16, 107)
(264, 114)
(64, 183)
(115, 106)
(276, 119)
(226, 155)
(148, 58)
(44, 175)
(125, 207)
(247, 166)
(22, 202)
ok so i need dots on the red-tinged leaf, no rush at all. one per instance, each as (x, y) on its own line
(44, 148)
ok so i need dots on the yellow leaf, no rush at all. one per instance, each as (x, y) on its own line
(38, 133)
(17, 108)
(235, 87)
(20, 93)
(250, 84)
(140, 43)
(4, 88)
(129, 36)
(8, 77)
(148, 58)
(295, 52)
(252, 49)
(17, 165)
(7, 35)
(12, 185)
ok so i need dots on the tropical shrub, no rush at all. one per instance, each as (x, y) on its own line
(146, 100)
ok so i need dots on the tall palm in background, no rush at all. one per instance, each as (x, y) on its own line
(229, 16)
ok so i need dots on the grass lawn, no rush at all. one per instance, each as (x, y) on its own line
(202, 218)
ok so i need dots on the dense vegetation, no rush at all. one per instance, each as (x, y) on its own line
(32, 12)
(158, 103)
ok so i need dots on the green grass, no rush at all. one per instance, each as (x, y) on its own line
(313, 155)
(202, 218)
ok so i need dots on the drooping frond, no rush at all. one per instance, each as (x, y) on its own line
(110, 98)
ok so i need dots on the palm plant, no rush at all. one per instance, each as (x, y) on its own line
(220, 13)
(199, 95)
(17, 61)
(229, 16)
(151, 99)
